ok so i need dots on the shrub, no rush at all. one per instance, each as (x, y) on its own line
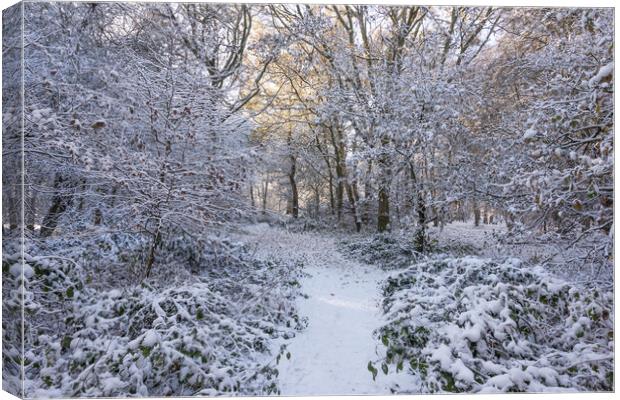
(472, 325)
(207, 334)
(388, 251)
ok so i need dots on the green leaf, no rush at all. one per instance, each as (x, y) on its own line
(146, 351)
(384, 368)
(384, 340)
(70, 292)
(66, 342)
(399, 366)
(449, 385)
(372, 370)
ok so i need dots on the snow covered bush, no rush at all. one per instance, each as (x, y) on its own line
(386, 250)
(206, 334)
(304, 224)
(12, 335)
(473, 325)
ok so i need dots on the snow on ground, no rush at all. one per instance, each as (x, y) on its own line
(330, 357)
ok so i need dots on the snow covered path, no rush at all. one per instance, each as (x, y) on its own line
(332, 354)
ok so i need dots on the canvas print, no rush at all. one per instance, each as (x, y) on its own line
(228, 199)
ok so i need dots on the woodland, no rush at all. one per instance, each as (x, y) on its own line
(233, 199)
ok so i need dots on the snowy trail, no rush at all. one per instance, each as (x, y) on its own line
(332, 354)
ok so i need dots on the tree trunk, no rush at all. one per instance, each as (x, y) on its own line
(367, 190)
(13, 206)
(397, 206)
(339, 197)
(60, 203)
(98, 217)
(357, 212)
(476, 214)
(294, 192)
(151, 257)
(266, 187)
(420, 239)
(332, 203)
(330, 176)
(383, 206)
(383, 217)
(354, 209)
(317, 205)
(31, 210)
(340, 172)
(420, 236)
(508, 217)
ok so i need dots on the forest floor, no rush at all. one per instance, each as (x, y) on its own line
(341, 303)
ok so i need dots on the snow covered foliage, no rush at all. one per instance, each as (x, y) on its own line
(474, 325)
(158, 144)
(205, 334)
(152, 132)
(12, 334)
(136, 152)
(559, 125)
(387, 251)
(578, 136)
